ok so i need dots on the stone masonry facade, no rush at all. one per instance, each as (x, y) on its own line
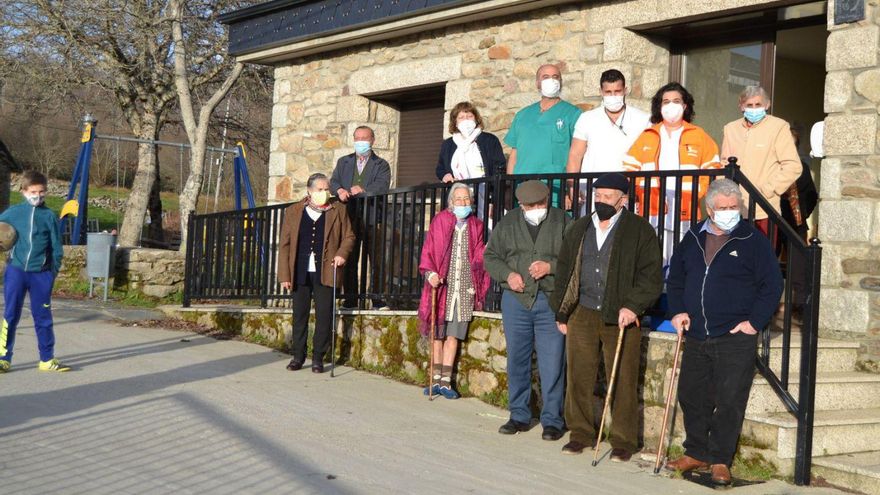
(320, 98)
(849, 210)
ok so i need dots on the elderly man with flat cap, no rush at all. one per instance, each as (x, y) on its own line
(521, 256)
(608, 275)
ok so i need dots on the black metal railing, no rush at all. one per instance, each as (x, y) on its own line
(232, 256)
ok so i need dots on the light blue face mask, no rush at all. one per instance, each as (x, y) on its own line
(726, 220)
(462, 212)
(755, 115)
(361, 147)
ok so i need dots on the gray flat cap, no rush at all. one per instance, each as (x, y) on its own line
(532, 191)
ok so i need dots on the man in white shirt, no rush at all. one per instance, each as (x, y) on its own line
(603, 135)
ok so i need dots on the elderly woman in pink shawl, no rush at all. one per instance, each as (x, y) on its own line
(452, 262)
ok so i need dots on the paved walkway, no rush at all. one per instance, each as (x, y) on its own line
(156, 411)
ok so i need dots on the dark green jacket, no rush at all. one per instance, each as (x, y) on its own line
(511, 249)
(635, 272)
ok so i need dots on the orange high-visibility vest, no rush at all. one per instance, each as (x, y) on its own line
(696, 151)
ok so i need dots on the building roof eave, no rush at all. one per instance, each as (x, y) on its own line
(387, 28)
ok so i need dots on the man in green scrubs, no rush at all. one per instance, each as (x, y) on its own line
(540, 134)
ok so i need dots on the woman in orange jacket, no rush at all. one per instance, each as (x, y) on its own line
(672, 143)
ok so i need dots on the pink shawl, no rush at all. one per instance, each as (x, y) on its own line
(436, 254)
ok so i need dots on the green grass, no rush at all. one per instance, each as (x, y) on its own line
(107, 219)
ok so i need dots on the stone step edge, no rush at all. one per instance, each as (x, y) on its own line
(867, 416)
(831, 462)
(829, 377)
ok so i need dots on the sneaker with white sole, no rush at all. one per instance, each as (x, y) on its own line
(4, 366)
(52, 365)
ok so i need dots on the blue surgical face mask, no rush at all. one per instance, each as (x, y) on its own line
(755, 115)
(361, 147)
(462, 212)
(726, 220)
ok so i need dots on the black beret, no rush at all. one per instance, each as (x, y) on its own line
(614, 180)
(532, 191)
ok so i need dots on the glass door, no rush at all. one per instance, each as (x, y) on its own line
(716, 75)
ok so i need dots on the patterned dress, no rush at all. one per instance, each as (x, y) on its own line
(460, 295)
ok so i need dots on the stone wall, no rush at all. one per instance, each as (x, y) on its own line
(152, 272)
(849, 213)
(389, 343)
(320, 99)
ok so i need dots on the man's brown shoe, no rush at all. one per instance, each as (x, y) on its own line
(574, 447)
(620, 455)
(686, 463)
(720, 474)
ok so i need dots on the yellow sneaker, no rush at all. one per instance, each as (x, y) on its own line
(4, 366)
(52, 365)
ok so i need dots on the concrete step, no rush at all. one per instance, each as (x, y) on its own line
(833, 355)
(834, 432)
(858, 472)
(835, 391)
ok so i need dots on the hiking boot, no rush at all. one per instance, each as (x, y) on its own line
(52, 365)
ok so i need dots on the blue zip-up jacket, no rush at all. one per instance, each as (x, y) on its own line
(38, 247)
(742, 282)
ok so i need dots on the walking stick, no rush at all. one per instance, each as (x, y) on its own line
(431, 345)
(661, 447)
(608, 394)
(333, 329)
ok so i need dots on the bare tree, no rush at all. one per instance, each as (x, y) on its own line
(124, 48)
(192, 47)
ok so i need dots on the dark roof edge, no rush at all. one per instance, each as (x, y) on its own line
(255, 10)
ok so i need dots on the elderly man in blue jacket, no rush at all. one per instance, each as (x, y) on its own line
(724, 286)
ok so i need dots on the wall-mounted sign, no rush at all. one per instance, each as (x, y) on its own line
(846, 11)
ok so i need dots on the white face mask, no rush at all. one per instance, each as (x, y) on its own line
(466, 127)
(34, 199)
(672, 112)
(550, 87)
(535, 216)
(612, 103)
(726, 220)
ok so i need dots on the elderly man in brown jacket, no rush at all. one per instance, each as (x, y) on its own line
(316, 237)
(764, 149)
(607, 275)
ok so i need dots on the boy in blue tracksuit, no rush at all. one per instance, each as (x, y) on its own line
(33, 263)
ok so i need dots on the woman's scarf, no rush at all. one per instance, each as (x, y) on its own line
(467, 163)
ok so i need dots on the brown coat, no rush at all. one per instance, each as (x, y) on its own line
(338, 241)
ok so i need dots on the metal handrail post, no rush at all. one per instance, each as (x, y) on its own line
(807, 388)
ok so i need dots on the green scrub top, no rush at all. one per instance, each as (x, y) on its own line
(542, 139)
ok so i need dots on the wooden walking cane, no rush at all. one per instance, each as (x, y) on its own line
(661, 447)
(333, 329)
(431, 345)
(608, 394)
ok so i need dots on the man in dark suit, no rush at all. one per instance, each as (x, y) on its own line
(355, 176)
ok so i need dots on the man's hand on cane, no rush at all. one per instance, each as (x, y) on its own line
(681, 322)
(625, 318)
(338, 261)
